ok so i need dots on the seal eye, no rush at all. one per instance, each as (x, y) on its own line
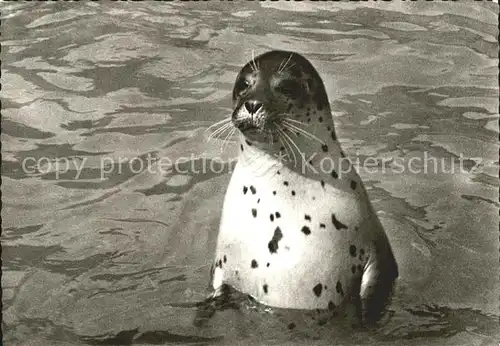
(291, 89)
(241, 85)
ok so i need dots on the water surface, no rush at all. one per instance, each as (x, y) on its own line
(113, 254)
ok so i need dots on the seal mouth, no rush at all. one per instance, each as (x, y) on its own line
(249, 129)
(264, 125)
(248, 118)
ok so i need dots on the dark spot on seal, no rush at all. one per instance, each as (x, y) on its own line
(353, 269)
(306, 230)
(258, 201)
(253, 189)
(331, 305)
(265, 288)
(254, 212)
(278, 172)
(293, 193)
(291, 325)
(322, 225)
(268, 264)
(342, 153)
(254, 264)
(225, 259)
(338, 225)
(324, 147)
(248, 142)
(282, 149)
(245, 189)
(352, 250)
(274, 193)
(285, 183)
(277, 214)
(241, 147)
(353, 184)
(273, 244)
(339, 289)
(328, 128)
(311, 162)
(317, 289)
(307, 217)
(334, 137)
(220, 263)
(271, 217)
(356, 228)
(322, 183)
(334, 174)
(320, 119)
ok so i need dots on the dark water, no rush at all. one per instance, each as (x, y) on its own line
(99, 254)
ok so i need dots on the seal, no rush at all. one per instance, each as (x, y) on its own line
(297, 229)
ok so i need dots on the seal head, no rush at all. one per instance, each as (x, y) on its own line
(278, 85)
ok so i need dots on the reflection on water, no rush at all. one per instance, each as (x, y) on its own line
(100, 250)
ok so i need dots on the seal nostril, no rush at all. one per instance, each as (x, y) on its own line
(253, 106)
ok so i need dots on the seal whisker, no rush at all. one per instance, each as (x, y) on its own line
(271, 138)
(254, 63)
(286, 63)
(281, 64)
(228, 138)
(283, 145)
(291, 148)
(218, 123)
(298, 149)
(219, 131)
(300, 153)
(251, 66)
(226, 131)
(287, 139)
(295, 121)
(304, 132)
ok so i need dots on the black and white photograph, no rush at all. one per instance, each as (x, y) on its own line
(250, 172)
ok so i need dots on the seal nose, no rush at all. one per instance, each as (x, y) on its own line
(253, 106)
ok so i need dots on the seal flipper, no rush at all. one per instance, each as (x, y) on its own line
(377, 286)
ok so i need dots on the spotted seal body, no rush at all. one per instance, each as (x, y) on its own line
(297, 229)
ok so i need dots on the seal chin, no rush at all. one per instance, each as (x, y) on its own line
(255, 134)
